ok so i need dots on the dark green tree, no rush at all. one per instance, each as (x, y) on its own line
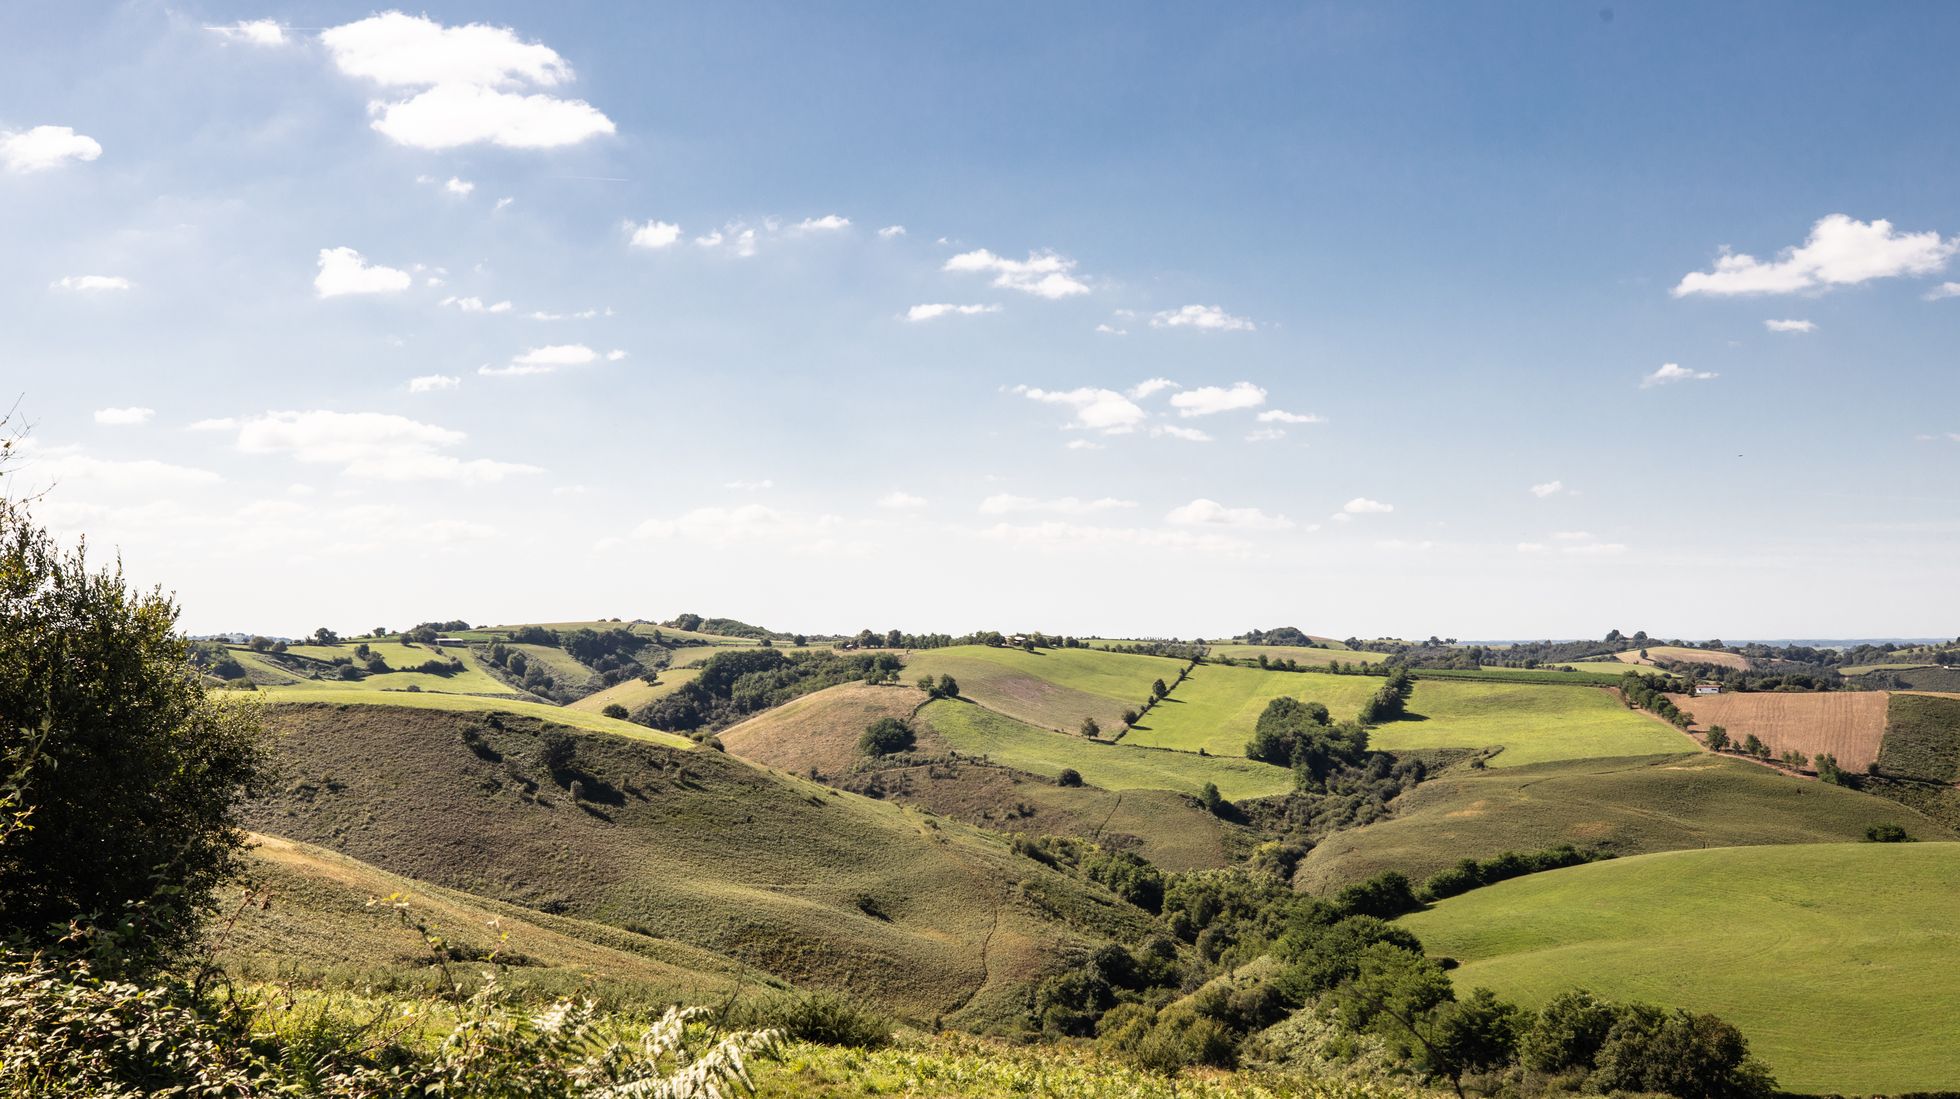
(885, 736)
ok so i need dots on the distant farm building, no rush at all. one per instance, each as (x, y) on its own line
(1708, 688)
(451, 641)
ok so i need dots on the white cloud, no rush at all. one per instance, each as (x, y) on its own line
(826, 224)
(255, 32)
(1670, 373)
(1188, 434)
(1549, 488)
(465, 72)
(1210, 399)
(1112, 330)
(1361, 505)
(1944, 290)
(615, 355)
(890, 231)
(1278, 416)
(45, 147)
(542, 360)
(1082, 444)
(343, 271)
(750, 486)
(1211, 513)
(653, 234)
(1208, 318)
(503, 202)
(1265, 435)
(1103, 410)
(371, 445)
(1007, 504)
(1790, 326)
(43, 467)
(124, 417)
(475, 305)
(1840, 251)
(459, 187)
(944, 309)
(1150, 386)
(1043, 274)
(91, 283)
(901, 501)
(433, 383)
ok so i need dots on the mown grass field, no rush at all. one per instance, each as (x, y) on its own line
(819, 730)
(478, 704)
(1532, 723)
(1836, 960)
(1052, 688)
(1627, 806)
(1846, 724)
(1216, 707)
(923, 916)
(1679, 654)
(636, 692)
(975, 730)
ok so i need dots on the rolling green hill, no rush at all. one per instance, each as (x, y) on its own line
(312, 666)
(1650, 803)
(975, 730)
(471, 704)
(1052, 688)
(927, 917)
(1217, 706)
(636, 692)
(1836, 960)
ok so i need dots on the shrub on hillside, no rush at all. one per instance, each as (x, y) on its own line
(886, 736)
(615, 710)
(1069, 777)
(822, 1017)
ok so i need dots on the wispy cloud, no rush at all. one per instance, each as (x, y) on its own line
(947, 309)
(1669, 373)
(1790, 326)
(1103, 410)
(1203, 512)
(1547, 489)
(1210, 400)
(1205, 318)
(1007, 504)
(1043, 274)
(91, 283)
(344, 271)
(124, 417)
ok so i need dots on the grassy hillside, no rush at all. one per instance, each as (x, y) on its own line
(1052, 688)
(1922, 738)
(1680, 654)
(974, 730)
(470, 704)
(1835, 960)
(1629, 806)
(809, 885)
(320, 926)
(819, 730)
(302, 663)
(1216, 706)
(636, 692)
(1014, 791)
(1298, 653)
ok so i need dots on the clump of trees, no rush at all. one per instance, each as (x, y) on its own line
(1301, 735)
(887, 736)
(738, 682)
(943, 687)
(1471, 874)
(1638, 693)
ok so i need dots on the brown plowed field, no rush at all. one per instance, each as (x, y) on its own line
(1846, 724)
(1671, 654)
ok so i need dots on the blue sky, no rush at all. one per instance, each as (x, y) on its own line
(1381, 319)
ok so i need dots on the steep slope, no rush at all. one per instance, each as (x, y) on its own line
(1626, 805)
(810, 885)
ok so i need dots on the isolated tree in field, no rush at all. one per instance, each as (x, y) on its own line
(948, 687)
(1213, 801)
(325, 636)
(1158, 690)
(615, 710)
(1718, 738)
(130, 776)
(885, 736)
(1090, 729)
(1131, 717)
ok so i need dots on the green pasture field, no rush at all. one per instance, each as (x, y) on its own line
(1052, 688)
(975, 730)
(429, 700)
(1217, 706)
(1297, 653)
(472, 680)
(1624, 806)
(1532, 723)
(1866, 669)
(1835, 960)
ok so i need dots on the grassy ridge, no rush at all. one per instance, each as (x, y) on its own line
(476, 704)
(812, 886)
(1834, 959)
(471, 679)
(636, 692)
(1052, 688)
(975, 730)
(1629, 806)
(1216, 707)
(1922, 738)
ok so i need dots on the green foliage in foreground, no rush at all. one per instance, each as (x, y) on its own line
(121, 779)
(1834, 958)
(70, 1033)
